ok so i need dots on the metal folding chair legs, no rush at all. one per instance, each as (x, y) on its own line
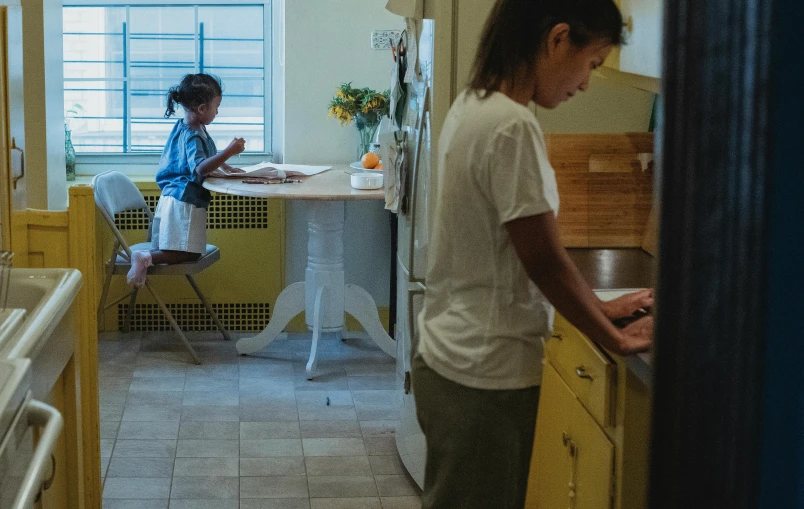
(172, 321)
(212, 313)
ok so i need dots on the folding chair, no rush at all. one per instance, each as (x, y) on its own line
(115, 193)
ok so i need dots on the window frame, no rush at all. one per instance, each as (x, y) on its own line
(91, 163)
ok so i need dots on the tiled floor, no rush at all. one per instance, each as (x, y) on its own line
(248, 432)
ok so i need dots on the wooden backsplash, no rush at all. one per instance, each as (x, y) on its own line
(605, 195)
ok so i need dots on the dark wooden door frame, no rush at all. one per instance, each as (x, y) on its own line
(728, 422)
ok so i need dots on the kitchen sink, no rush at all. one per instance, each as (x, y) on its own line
(45, 331)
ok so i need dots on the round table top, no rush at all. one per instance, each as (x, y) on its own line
(332, 184)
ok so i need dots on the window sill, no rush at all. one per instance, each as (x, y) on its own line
(144, 164)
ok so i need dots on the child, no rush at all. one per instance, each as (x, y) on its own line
(496, 265)
(179, 232)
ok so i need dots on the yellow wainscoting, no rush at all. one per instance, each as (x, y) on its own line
(251, 269)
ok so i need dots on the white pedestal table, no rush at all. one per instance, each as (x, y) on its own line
(324, 295)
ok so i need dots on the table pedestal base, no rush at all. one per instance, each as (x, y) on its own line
(323, 296)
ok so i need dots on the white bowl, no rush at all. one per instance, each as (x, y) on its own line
(366, 180)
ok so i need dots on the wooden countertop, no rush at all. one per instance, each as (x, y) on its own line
(332, 184)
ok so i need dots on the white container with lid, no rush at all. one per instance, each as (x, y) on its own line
(366, 180)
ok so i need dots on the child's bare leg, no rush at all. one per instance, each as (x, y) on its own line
(171, 257)
(141, 260)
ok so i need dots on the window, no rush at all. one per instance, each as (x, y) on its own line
(120, 61)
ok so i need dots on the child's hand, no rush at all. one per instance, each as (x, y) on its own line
(236, 146)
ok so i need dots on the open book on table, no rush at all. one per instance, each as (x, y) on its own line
(271, 171)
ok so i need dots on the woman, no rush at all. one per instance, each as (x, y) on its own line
(496, 265)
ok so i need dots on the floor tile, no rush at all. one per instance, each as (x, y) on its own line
(345, 503)
(278, 503)
(401, 502)
(152, 413)
(145, 449)
(116, 503)
(389, 464)
(155, 398)
(229, 397)
(200, 430)
(341, 486)
(264, 430)
(142, 430)
(194, 382)
(280, 465)
(373, 382)
(189, 448)
(396, 486)
(209, 467)
(334, 447)
(274, 412)
(194, 503)
(369, 368)
(211, 413)
(271, 447)
(122, 466)
(338, 465)
(230, 369)
(136, 488)
(378, 428)
(205, 487)
(108, 429)
(330, 429)
(380, 445)
(294, 486)
(114, 383)
(162, 383)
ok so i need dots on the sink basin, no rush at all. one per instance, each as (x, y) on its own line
(45, 331)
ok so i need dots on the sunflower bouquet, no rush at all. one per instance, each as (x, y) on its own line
(364, 107)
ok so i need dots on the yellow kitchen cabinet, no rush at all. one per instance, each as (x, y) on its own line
(56, 496)
(592, 430)
(573, 464)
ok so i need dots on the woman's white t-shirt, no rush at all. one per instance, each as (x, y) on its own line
(484, 322)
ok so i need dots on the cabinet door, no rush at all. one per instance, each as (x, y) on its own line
(643, 52)
(573, 460)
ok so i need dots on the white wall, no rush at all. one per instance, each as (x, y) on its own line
(327, 43)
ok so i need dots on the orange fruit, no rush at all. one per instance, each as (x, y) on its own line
(369, 160)
(378, 167)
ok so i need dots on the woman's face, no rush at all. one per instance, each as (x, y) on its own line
(564, 68)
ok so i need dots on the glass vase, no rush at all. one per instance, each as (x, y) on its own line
(69, 155)
(367, 125)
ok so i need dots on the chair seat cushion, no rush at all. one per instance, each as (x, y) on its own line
(212, 255)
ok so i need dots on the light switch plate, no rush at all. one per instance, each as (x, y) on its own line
(381, 39)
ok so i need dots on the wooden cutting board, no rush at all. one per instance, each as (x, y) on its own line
(606, 195)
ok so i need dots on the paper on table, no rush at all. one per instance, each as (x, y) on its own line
(272, 170)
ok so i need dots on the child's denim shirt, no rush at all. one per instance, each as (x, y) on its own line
(184, 151)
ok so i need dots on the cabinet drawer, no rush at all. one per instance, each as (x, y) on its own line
(585, 368)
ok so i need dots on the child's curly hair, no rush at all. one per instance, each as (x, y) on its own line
(193, 91)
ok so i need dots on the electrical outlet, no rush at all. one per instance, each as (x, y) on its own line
(381, 39)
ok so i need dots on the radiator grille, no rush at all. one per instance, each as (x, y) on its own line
(224, 212)
(248, 316)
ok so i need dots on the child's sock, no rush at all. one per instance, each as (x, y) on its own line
(140, 261)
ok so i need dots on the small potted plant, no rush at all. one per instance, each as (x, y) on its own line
(364, 107)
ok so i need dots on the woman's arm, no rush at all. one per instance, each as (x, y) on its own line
(548, 265)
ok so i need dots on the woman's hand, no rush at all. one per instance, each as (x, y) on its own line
(637, 336)
(236, 146)
(628, 304)
(234, 170)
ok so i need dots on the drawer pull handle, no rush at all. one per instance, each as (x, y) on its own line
(581, 372)
(558, 336)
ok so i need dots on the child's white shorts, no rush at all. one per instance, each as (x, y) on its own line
(179, 226)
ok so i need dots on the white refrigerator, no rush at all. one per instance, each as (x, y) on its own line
(412, 252)
(446, 48)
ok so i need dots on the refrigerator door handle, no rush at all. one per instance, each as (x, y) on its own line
(414, 288)
(414, 185)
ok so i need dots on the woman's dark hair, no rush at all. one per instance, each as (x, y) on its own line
(516, 31)
(193, 91)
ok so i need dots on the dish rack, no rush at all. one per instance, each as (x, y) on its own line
(5, 276)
